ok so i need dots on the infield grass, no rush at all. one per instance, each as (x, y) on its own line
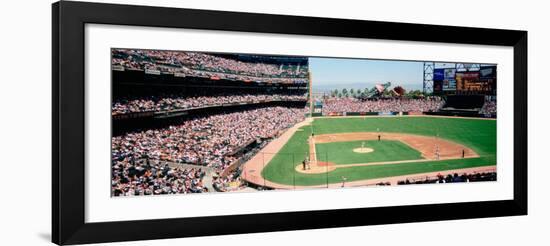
(385, 150)
(480, 135)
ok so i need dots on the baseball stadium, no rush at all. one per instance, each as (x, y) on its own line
(197, 122)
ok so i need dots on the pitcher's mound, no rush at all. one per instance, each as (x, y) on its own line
(363, 150)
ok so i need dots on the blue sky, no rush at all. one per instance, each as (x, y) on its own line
(338, 72)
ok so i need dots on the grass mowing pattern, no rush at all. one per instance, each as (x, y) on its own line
(385, 150)
(480, 135)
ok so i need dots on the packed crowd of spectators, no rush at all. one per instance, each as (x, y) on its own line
(231, 182)
(454, 178)
(339, 105)
(208, 65)
(489, 108)
(146, 177)
(177, 102)
(209, 141)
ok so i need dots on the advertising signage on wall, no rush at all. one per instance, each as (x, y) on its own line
(439, 74)
(450, 73)
(449, 82)
(449, 85)
(469, 76)
(468, 81)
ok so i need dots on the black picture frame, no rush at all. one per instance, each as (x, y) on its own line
(69, 19)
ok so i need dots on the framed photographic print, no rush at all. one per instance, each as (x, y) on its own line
(177, 123)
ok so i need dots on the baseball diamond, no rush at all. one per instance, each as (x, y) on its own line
(408, 148)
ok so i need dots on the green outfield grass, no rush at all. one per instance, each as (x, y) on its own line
(480, 135)
(385, 150)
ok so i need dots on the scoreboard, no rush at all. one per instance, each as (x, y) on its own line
(451, 81)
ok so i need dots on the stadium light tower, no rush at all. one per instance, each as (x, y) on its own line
(428, 85)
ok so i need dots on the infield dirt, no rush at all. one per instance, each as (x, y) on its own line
(431, 148)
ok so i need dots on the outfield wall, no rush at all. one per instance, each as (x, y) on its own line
(458, 113)
(462, 113)
(364, 113)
